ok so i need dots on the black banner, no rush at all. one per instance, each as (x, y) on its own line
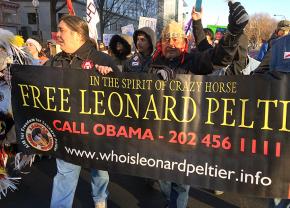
(227, 133)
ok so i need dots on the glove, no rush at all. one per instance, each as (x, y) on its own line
(238, 18)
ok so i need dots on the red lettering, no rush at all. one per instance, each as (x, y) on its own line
(66, 127)
(111, 130)
(148, 134)
(133, 132)
(122, 132)
(83, 130)
(71, 127)
(102, 129)
(55, 123)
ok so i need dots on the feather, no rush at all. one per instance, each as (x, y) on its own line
(13, 46)
(7, 183)
(22, 161)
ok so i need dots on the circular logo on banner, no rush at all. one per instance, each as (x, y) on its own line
(39, 135)
(87, 64)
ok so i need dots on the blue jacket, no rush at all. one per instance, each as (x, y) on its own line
(280, 57)
(263, 51)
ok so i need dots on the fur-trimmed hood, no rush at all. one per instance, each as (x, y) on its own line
(126, 41)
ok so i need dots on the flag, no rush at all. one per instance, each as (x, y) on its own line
(92, 19)
(70, 8)
(188, 26)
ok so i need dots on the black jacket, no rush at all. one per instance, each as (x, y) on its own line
(200, 63)
(138, 63)
(87, 53)
(199, 36)
(240, 60)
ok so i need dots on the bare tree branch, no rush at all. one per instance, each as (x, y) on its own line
(260, 28)
(110, 12)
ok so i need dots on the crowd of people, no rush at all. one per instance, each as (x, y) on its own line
(166, 57)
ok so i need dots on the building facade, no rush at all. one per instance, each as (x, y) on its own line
(171, 10)
(9, 16)
(123, 13)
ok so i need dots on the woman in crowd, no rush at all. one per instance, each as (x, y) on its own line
(34, 48)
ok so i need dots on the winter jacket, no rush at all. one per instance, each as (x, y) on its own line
(139, 62)
(240, 60)
(262, 52)
(277, 58)
(266, 47)
(150, 35)
(86, 57)
(280, 60)
(265, 63)
(120, 58)
(200, 63)
(199, 36)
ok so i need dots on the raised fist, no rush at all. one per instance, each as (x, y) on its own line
(238, 18)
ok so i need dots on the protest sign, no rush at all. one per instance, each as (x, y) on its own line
(107, 38)
(128, 30)
(148, 22)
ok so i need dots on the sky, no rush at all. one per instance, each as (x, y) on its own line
(217, 11)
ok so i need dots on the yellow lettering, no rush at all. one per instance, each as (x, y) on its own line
(83, 103)
(186, 109)
(94, 81)
(210, 110)
(154, 110)
(266, 112)
(24, 94)
(50, 98)
(243, 125)
(36, 94)
(134, 108)
(228, 112)
(284, 115)
(170, 109)
(99, 103)
(64, 100)
(115, 104)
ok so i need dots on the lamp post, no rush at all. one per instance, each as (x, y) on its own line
(280, 15)
(35, 4)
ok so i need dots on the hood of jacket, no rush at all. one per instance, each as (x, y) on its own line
(150, 35)
(126, 41)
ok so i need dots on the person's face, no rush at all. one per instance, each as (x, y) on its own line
(143, 44)
(69, 40)
(172, 47)
(119, 47)
(209, 40)
(282, 33)
(218, 35)
(31, 48)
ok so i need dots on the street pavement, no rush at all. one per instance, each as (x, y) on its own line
(34, 191)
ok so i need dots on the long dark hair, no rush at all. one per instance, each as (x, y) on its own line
(78, 25)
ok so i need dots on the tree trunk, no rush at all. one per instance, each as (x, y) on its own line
(53, 25)
(102, 24)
